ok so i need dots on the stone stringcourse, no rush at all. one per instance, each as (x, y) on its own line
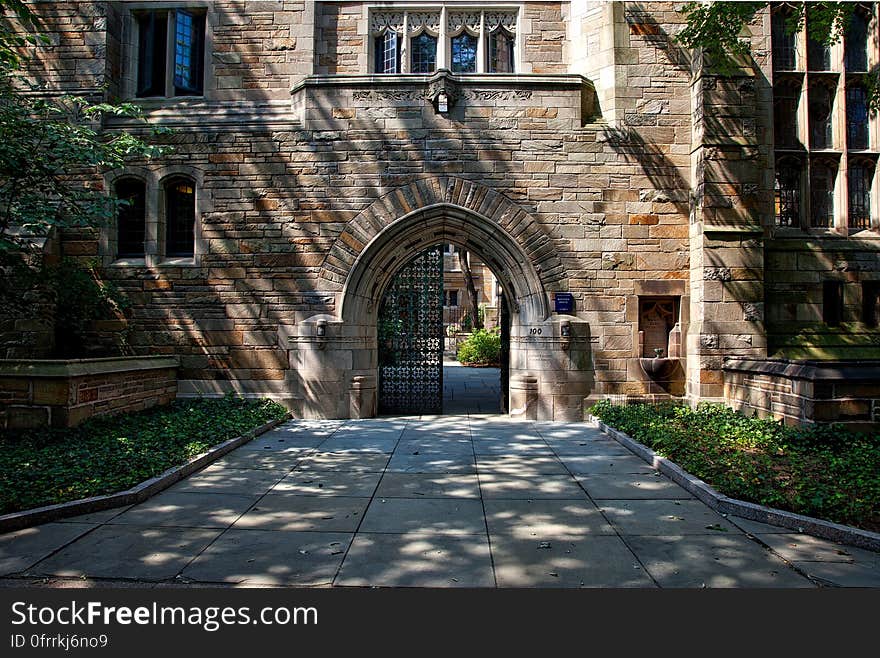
(726, 505)
(137, 494)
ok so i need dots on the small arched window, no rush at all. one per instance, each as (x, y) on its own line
(786, 96)
(787, 192)
(501, 51)
(861, 173)
(130, 218)
(855, 45)
(180, 217)
(464, 53)
(822, 175)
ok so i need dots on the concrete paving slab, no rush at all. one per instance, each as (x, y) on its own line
(220, 479)
(514, 447)
(401, 560)
(264, 459)
(439, 446)
(286, 511)
(356, 444)
(806, 548)
(428, 485)
(128, 552)
(346, 462)
(24, 548)
(631, 487)
(188, 509)
(584, 464)
(96, 517)
(546, 519)
(841, 574)
(284, 442)
(570, 432)
(329, 483)
(665, 517)
(577, 448)
(271, 557)
(599, 561)
(444, 516)
(756, 527)
(431, 463)
(524, 465)
(500, 485)
(712, 561)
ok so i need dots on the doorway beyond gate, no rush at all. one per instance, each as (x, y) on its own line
(411, 340)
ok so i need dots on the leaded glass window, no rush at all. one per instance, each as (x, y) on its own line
(856, 41)
(423, 58)
(788, 192)
(785, 103)
(387, 48)
(822, 176)
(501, 52)
(856, 117)
(464, 53)
(821, 101)
(859, 189)
(818, 55)
(180, 216)
(189, 51)
(784, 42)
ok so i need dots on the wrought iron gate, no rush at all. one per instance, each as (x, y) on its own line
(411, 338)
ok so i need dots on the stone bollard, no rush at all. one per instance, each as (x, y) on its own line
(524, 397)
(362, 397)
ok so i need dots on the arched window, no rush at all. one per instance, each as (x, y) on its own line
(788, 192)
(822, 175)
(387, 48)
(856, 117)
(130, 218)
(501, 51)
(464, 53)
(784, 41)
(821, 101)
(180, 217)
(855, 45)
(861, 172)
(786, 96)
(423, 58)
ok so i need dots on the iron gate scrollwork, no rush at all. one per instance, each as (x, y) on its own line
(410, 336)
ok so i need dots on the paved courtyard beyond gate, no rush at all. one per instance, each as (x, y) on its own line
(466, 500)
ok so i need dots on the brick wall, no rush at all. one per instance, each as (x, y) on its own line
(65, 393)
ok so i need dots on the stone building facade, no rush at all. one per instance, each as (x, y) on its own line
(572, 146)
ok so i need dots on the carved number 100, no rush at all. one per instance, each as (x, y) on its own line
(535, 331)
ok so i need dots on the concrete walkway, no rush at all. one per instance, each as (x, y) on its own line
(451, 501)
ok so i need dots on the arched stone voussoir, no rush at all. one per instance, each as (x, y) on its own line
(443, 223)
(477, 199)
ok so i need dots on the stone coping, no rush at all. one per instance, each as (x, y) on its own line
(502, 80)
(860, 370)
(58, 368)
(725, 505)
(137, 494)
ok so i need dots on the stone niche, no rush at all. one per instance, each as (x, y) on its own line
(658, 316)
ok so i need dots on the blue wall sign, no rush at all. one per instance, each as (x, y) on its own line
(564, 302)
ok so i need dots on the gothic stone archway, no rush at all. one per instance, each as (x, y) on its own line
(334, 357)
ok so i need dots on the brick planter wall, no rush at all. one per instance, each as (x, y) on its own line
(806, 391)
(57, 393)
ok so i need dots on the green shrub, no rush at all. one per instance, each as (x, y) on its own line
(483, 347)
(113, 453)
(823, 471)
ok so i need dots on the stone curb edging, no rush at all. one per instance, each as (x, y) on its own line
(726, 505)
(137, 494)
